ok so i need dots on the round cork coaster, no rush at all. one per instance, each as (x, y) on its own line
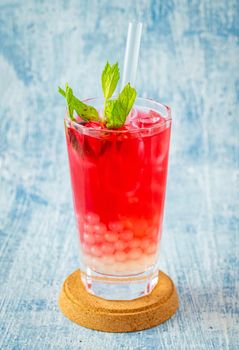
(92, 312)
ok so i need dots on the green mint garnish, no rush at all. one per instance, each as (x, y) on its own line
(109, 79)
(84, 111)
(116, 111)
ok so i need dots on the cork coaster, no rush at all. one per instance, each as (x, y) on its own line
(118, 316)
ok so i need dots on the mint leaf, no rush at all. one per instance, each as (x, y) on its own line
(61, 91)
(109, 106)
(117, 110)
(69, 100)
(84, 111)
(109, 79)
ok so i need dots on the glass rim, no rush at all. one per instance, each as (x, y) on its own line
(166, 119)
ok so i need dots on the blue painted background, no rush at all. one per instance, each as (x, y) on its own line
(189, 60)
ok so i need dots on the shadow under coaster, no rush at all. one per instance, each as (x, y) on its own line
(93, 312)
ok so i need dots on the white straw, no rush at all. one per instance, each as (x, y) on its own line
(132, 53)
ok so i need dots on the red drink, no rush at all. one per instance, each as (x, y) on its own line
(119, 182)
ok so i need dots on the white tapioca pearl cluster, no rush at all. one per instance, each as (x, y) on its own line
(135, 243)
(96, 250)
(151, 249)
(126, 235)
(111, 237)
(145, 243)
(119, 246)
(121, 256)
(107, 249)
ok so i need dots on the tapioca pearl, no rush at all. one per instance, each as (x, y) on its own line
(135, 253)
(92, 218)
(88, 238)
(86, 248)
(140, 227)
(139, 234)
(108, 259)
(135, 243)
(145, 243)
(128, 223)
(116, 226)
(120, 256)
(152, 231)
(78, 217)
(98, 238)
(111, 237)
(120, 245)
(108, 248)
(88, 228)
(152, 248)
(96, 251)
(99, 228)
(126, 235)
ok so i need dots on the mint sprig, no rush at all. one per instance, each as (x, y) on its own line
(84, 111)
(116, 111)
(109, 79)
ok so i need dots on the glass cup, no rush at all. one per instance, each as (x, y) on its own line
(119, 181)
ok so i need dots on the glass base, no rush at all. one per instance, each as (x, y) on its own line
(120, 287)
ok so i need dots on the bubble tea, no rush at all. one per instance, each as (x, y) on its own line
(119, 181)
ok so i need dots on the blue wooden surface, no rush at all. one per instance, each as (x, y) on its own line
(188, 59)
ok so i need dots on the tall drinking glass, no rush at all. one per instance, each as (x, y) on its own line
(119, 181)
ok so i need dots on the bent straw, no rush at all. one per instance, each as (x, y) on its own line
(132, 53)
